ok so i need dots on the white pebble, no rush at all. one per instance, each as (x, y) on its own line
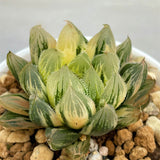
(93, 145)
(154, 123)
(95, 156)
(103, 151)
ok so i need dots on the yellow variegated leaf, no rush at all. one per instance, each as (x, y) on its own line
(39, 40)
(134, 74)
(127, 115)
(76, 151)
(17, 103)
(106, 65)
(80, 64)
(71, 42)
(59, 138)
(94, 84)
(42, 114)
(115, 91)
(102, 42)
(59, 81)
(49, 61)
(31, 82)
(15, 64)
(104, 121)
(141, 98)
(14, 121)
(124, 51)
(75, 109)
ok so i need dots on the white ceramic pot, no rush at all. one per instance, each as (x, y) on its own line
(25, 54)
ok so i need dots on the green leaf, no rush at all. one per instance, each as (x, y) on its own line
(31, 81)
(71, 42)
(94, 84)
(76, 151)
(127, 115)
(115, 91)
(80, 64)
(142, 96)
(42, 114)
(134, 74)
(106, 65)
(102, 42)
(75, 109)
(15, 121)
(15, 64)
(17, 103)
(39, 40)
(59, 81)
(124, 51)
(104, 121)
(49, 61)
(59, 138)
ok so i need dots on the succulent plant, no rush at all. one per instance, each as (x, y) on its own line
(75, 88)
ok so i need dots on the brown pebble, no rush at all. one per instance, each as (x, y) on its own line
(40, 136)
(147, 158)
(16, 148)
(137, 153)
(111, 147)
(27, 147)
(144, 116)
(128, 146)
(14, 90)
(9, 80)
(133, 127)
(119, 151)
(27, 155)
(2, 90)
(122, 136)
(145, 138)
(3, 150)
(19, 155)
(120, 157)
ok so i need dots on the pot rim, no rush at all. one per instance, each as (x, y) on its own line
(25, 53)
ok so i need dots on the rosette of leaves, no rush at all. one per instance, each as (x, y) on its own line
(75, 87)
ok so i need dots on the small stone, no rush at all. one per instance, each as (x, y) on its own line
(111, 147)
(4, 135)
(8, 81)
(151, 109)
(14, 90)
(95, 156)
(27, 147)
(3, 150)
(119, 151)
(2, 90)
(103, 151)
(154, 123)
(133, 127)
(18, 137)
(128, 146)
(122, 136)
(16, 148)
(120, 157)
(155, 97)
(93, 145)
(137, 153)
(147, 158)
(42, 152)
(27, 155)
(40, 136)
(145, 138)
(144, 116)
(30, 132)
(19, 155)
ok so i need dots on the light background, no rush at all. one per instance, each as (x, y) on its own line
(138, 19)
